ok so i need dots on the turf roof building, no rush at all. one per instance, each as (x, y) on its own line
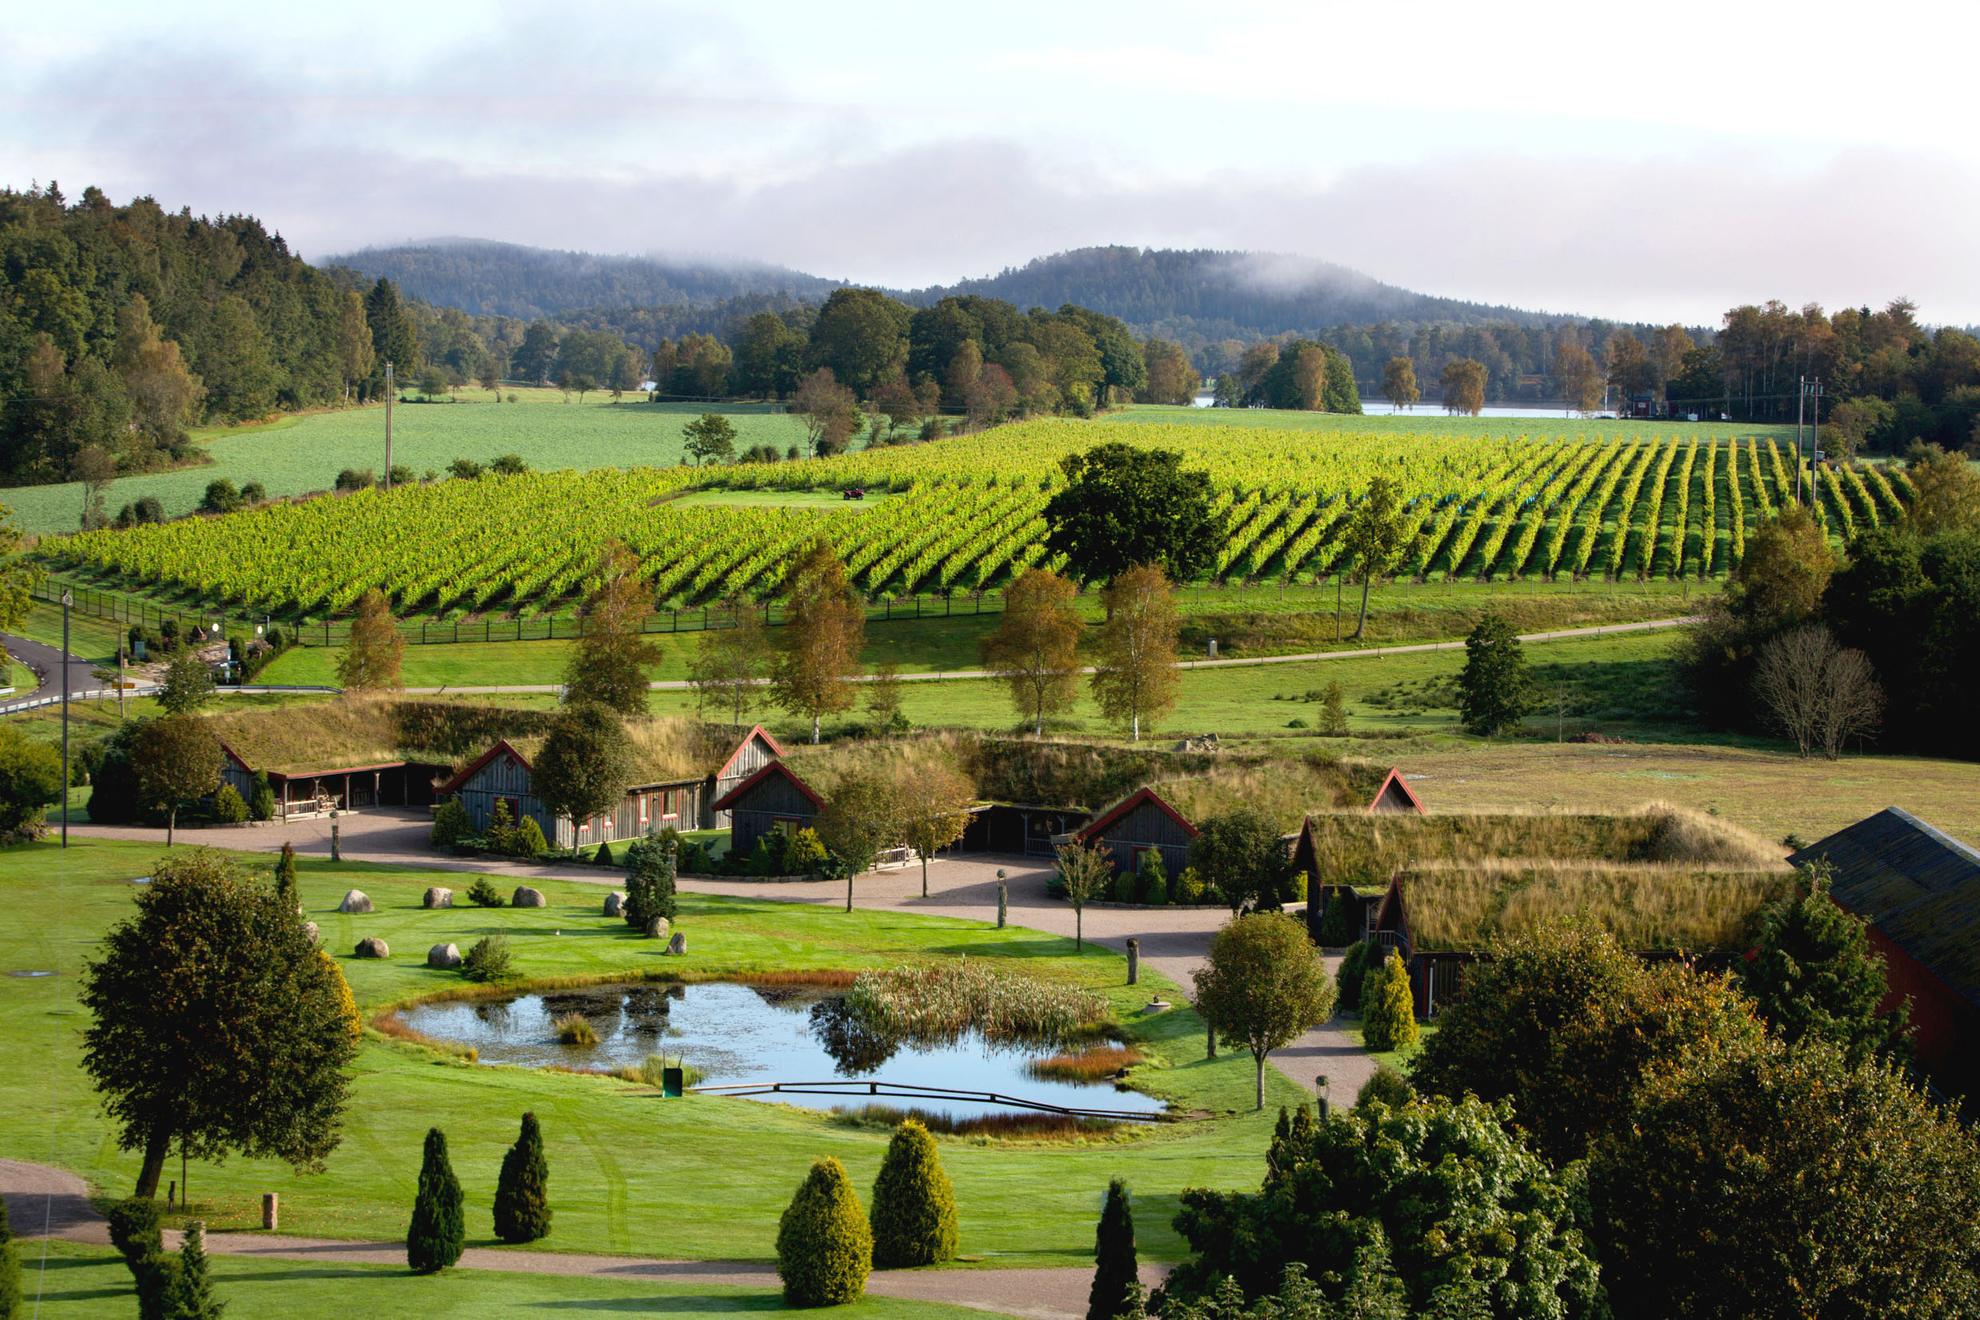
(675, 788)
(1140, 823)
(1919, 890)
(773, 800)
(1357, 895)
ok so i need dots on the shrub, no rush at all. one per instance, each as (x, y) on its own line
(1388, 1012)
(509, 465)
(527, 840)
(229, 807)
(1116, 1269)
(1387, 1085)
(806, 853)
(488, 960)
(1353, 970)
(451, 825)
(483, 894)
(465, 468)
(220, 497)
(914, 1207)
(824, 1244)
(603, 857)
(573, 1029)
(1336, 927)
(189, 1293)
(439, 1229)
(1157, 891)
(501, 827)
(522, 1193)
(261, 798)
(649, 883)
(1149, 873)
(254, 493)
(134, 1229)
(356, 479)
(1122, 890)
(1189, 886)
(10, 1269)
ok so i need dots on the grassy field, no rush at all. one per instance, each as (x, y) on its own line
(702, 1177)
(83, 1282)
(304, 453)
(1242, 620)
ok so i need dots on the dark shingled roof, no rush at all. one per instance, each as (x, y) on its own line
(1918, 886)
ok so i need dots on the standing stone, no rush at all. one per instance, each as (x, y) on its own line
(354, 901)
(438, 897)
(657, 928)
(1134, 961)
(444, 955)
(310, 926)
(526, 897)
(615, 904)
(678, 944)
(373, 947)
(1003, 899)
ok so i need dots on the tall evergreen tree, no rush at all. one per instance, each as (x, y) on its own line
(649, 883)
(288, 887)
(189, 1294)
(1116, 1268)
(439, 1230)
(522, 1196)
(1812, 973)
(393, 338)
(1494, 689)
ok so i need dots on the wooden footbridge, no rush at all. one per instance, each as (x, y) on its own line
(909, 1091)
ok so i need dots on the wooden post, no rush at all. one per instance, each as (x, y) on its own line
(270, 1211)
(336, 854)
(1134, 961)
(1210, 1037)
(1003, 899)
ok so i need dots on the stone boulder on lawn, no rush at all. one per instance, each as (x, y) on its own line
(527, 897)
(444, 955)
(373, 947)
(355, 901)
(438, 897)
(615, 904)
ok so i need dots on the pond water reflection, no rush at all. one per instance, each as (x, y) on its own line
(744, 1033)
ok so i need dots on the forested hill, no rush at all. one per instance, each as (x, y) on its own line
(1203, 295)
(508, 279)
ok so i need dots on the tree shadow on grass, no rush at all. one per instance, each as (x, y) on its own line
(744, 1302)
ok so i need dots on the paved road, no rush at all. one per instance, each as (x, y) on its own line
(1173, 940)
(46, 1202)
(46, 661)
(1239, 662)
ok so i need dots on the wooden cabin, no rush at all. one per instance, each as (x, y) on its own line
(772, 800)
(1919, 890)
(1019, 828)
(306, 789)
(675, 788)
(756, 750)
(1359, 894)
(1140, 822)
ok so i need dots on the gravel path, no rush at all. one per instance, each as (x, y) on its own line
(52, 1203)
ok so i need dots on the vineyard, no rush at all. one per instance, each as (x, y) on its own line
(966, 515)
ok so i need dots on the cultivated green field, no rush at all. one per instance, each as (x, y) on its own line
(1431, 420)
(299, 454)
(703, 1177)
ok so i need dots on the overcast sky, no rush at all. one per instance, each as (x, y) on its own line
(1659, 163)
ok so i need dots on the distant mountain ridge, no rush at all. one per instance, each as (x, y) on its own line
(1196, 295)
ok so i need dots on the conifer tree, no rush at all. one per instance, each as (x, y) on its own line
(438, 1231)
(824, 1244)
(914, 1205)
(1388, 1010)
(287, 886)
(189, 1295)
(522, 1196)
(649, 883)
(1116, 1270)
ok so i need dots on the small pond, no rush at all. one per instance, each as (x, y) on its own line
(741, 1033)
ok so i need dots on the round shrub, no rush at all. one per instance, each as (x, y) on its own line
(824, 1245)
(914, 1206)
(451, 824)
(649, 883)
(522, 1194)
(1388, 1086)
(1388, 1011)
(229, 807)
(527, 839)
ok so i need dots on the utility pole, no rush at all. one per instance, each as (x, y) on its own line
(68, 599)
(1800, 401)
(389, 391)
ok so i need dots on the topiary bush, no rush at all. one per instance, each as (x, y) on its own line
(527, 839)
(1388, 1011)
(1157, 892)
(483, 894)
(914, 1205)
(603, 857)
(229, 807)
(501, 827)
(522, 1193)
(824, 1244)
(439, 1228)
(133, 1228)
(488, 960)
(1353, 971)
(451, 824)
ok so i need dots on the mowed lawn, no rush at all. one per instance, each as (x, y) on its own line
(295, 455)
(631, 1173)
(83, 1282)
(1244, 621)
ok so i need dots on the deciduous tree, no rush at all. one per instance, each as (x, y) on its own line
(729, 664)
(1122, 506)
(860, 819)
(1134, 675)
(1086, 874)
(178, 761)
(1035, 646)
(932, 803)
(214, 1025)
(1377, 538)
(1241, 859)
(609, 663)
(1399, 382)
(1947, 491)
(710, 437)
(1263, 984)
(188, 684)
(824, 628)
(1580, 379)
(1464, 386)
(585, 765)
(372, 652)
(1819, 694)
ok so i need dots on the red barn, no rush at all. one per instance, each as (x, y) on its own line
(1920, 891)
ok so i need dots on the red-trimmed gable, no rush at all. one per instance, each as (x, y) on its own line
(475, 766)
(755, 734)
(1396, 795)
(728, 800)
(1098, 826)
